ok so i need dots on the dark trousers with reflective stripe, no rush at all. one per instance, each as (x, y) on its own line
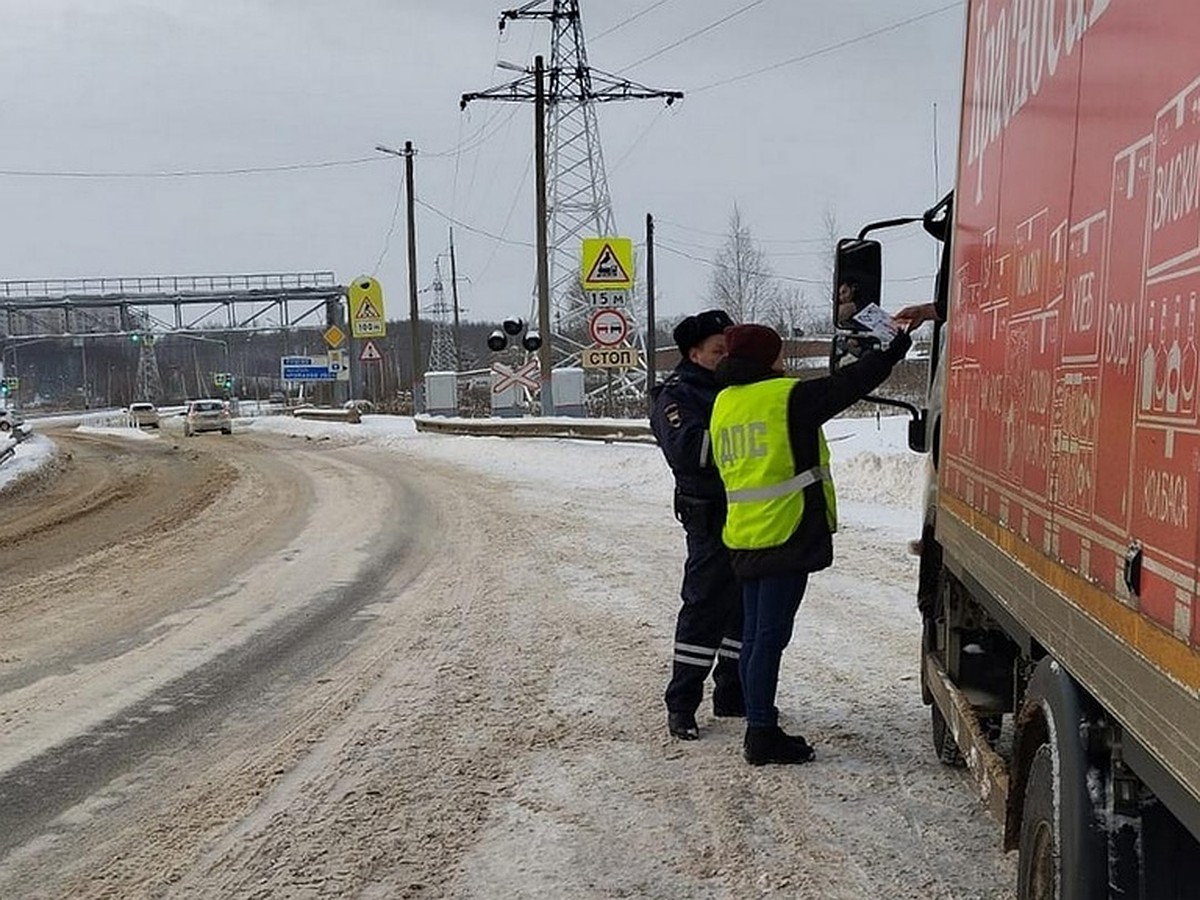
(709, 627)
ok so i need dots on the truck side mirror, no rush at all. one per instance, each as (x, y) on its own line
(857, 281)
(857, 278)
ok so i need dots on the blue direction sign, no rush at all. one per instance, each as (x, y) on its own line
(306, 368)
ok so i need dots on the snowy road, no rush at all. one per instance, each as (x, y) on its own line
(383, 664)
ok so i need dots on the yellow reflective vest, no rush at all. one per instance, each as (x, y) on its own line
(752, 447)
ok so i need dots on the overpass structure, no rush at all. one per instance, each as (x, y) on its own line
(166, 304)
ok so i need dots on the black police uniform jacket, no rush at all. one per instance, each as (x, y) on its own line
(683, 406)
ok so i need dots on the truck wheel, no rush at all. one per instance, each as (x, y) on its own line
(943, 740)
(1038, 871)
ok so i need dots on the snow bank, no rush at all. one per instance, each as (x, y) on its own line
(31, 454)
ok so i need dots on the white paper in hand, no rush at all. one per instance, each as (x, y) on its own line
(879, 323)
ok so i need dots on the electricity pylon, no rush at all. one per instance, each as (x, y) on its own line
(578, 202)
(443, 355)
(149, 385)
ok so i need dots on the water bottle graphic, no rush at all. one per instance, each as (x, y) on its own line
(1148, 366)
(1187, 371)
(1160, 363)
(1174, 361)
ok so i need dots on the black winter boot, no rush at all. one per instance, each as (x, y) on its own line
(766, 745)
(728, 703)
(683, 726)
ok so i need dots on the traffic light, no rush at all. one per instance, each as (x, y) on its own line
(4, 388)
(498, 339)
(228, 382)
(135, 337)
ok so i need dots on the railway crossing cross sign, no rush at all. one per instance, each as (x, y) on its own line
(503, 377)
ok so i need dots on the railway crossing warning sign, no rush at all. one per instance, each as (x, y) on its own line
(607, 263)
(503, 377)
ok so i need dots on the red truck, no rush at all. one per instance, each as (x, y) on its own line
(1058, 577)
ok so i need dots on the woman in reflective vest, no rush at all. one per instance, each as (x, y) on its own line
(774, 463)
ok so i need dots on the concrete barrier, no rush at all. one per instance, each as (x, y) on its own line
(325, 414)
(633, 431)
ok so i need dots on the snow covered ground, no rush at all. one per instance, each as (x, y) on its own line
(571, 546)
(877, 477)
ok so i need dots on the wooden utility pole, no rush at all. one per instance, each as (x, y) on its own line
(414, 313)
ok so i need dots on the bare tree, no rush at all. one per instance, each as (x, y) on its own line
(831, 231)
(743, 282)
(792, 315)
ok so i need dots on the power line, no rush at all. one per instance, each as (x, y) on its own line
(694, 34)
(192, 173)
(708, 262)
(725, 234)
(829, 49)
(474, 230)
(508, 218)
(624, 22)
(825, 282)
(633, 146)
(387, 238)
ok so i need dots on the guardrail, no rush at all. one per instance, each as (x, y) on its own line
(633, 431)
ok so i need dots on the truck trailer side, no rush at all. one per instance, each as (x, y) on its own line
(1059, 574)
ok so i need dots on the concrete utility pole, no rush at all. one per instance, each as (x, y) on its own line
(454, 295)
(651, 335)
(545, 360)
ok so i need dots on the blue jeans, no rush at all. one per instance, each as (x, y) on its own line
(769, 611)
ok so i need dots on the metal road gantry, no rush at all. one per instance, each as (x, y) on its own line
(161, 304)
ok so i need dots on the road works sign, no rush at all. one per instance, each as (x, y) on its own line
(608, 358)
(607, 264)
(366, 308)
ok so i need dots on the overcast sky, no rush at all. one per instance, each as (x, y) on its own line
(146, 86)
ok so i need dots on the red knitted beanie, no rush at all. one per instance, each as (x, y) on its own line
(755, 343)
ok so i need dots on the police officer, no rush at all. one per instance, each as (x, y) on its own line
(773, 460)
(708, 630)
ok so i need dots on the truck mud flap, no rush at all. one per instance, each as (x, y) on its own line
(985, 764)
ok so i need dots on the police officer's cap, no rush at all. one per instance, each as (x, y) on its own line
(695, 329)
